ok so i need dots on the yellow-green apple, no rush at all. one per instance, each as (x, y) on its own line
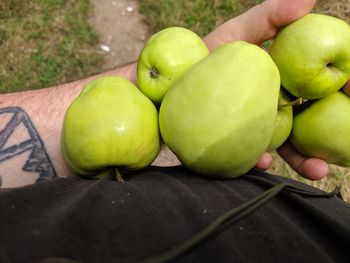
(111, 124)
(284, 121)
(218, 118)
(313, 55)
(322, 130)
(166, 56)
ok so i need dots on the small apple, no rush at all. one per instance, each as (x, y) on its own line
(313, 55)
(284, 121)
(110, 124)
(322, 130)
(218, 119)
(167, 55)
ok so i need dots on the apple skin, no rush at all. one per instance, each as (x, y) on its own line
(283, 124)
(323, 129)
(166, 56)
(313, 55)
(218, 118)
(110, 124)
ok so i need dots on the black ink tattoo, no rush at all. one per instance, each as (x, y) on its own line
(38, 160)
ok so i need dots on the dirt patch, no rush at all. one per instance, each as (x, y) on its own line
(121, 30)
(339, 8)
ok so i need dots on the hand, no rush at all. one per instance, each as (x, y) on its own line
(257, 25)
(310, 168)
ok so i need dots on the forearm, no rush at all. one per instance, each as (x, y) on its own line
(30, 130)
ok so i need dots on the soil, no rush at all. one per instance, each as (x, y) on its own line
(121, 30)
(338, 8)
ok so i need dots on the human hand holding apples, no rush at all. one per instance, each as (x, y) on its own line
(314, 64)
(319, 68)
(257, 25)
(240, 28)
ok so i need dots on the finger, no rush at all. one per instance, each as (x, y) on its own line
(310, 168)
(346, 88)
(259, 23)
(265, 161)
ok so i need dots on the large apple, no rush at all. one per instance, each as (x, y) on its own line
(110, 124)
(284, 121)
(313, 55)
(323, 129)
(166, 56)
(219, 117)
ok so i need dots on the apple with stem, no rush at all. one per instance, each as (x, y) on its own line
(111, 125)
(313, 55)
(166, 56)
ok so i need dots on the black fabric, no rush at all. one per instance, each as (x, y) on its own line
(78, 220)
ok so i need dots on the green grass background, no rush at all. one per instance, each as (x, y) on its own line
(198, 15)
(47, 42)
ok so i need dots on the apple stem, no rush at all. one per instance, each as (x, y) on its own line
(118, 175)
(154, 73)
(296, 102)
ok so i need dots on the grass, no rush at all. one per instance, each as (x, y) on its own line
(197, 15)
(45, 42)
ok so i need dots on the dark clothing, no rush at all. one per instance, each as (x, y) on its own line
(74, 219)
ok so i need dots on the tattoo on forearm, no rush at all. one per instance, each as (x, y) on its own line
(38, 161)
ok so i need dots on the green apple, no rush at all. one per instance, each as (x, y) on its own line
(166, 56)
(284, 121)
(313, 55)
(110, 124)
(323, 129)
(218, 118)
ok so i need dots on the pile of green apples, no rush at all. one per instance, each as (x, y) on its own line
(218, 112)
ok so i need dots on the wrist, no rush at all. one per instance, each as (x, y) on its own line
(30, 130)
